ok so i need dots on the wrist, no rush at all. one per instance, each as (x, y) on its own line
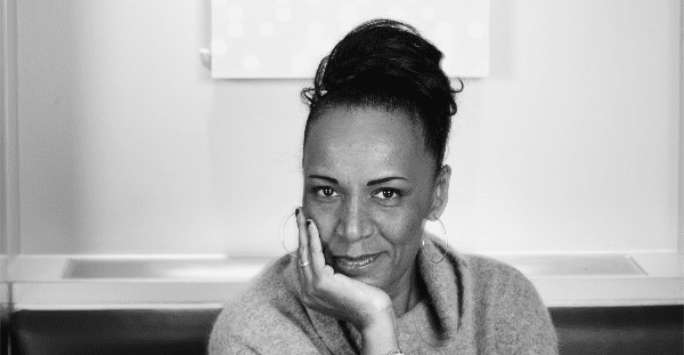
(380, 335)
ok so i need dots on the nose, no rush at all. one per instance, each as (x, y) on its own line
(353, 223)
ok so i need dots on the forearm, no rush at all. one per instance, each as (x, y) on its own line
(380, 336)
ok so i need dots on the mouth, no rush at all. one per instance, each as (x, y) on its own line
(350, 266)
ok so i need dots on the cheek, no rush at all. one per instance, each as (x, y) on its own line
(324, 215)
(400, 226)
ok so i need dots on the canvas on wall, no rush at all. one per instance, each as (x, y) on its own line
(287, 38)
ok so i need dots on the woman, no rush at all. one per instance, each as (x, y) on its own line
(366, 278)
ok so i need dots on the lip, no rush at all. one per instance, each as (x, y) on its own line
(355, 265)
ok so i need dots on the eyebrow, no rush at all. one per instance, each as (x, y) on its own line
(370, 183)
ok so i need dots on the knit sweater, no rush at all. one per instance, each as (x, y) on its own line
(472, 305)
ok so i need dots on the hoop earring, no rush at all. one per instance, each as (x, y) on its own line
(283, 226)
(444, 235)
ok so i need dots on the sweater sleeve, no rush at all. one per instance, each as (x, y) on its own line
(252, 326)
(523, 324)
(266, 318)
(230, 347)
(222, 340)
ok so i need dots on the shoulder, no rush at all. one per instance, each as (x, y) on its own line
(495, 275)
(268, 308)
(512, 307)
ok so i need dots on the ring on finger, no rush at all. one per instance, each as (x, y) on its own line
(304, 263)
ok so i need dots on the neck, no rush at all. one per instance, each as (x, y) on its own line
(407, 296)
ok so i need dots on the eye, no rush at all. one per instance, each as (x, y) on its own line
(325, 192)
(387, 194)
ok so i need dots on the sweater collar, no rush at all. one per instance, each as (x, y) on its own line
(440, 270)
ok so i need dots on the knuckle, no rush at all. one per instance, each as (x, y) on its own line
(380, 304)
(319, 283)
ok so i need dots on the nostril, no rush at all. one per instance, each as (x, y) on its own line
(354, 229)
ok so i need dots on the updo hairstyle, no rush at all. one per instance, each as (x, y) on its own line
(386, 64)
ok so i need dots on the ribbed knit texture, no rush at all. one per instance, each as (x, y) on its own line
(473, 305)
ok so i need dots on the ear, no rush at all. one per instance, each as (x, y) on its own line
(440, 192)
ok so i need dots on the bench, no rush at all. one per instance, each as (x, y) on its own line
(581, 330)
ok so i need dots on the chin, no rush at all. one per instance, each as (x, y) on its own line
(371, 280)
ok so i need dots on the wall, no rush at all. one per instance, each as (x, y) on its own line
(9, 188)
(681, 132)
(3, 150)
(127, 146)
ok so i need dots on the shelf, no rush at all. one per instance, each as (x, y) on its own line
(563, 280)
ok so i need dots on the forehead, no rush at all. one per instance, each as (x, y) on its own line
(366, 140)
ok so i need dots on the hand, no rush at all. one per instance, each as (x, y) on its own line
(367, 307)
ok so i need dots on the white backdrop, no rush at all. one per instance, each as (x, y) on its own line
(126, 145)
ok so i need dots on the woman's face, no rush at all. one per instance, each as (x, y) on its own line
(368, 184)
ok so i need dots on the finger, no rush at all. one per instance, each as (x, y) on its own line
(303, 249)
(315, 249)
(303, 280)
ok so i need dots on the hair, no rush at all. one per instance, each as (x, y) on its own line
(386, 64)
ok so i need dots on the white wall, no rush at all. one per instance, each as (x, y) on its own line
(3, 150)
(681, 132)
(572, 142)
(9, 187)
(126, 145)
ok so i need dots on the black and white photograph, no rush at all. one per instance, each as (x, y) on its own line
(372, 177)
